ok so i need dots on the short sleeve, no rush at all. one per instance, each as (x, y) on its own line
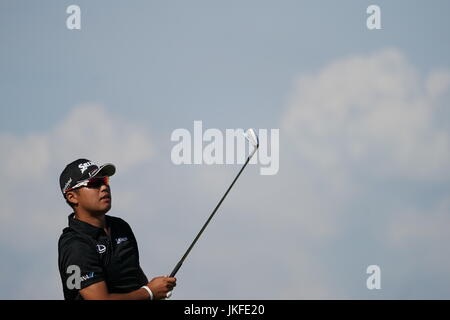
(79, 254)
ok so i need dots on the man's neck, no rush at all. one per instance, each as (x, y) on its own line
(97, 220)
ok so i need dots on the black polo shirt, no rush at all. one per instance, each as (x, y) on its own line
(112, 258)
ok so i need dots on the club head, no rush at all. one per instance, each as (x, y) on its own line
(251, 136)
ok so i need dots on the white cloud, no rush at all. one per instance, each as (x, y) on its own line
(374, 109)
(93, 132)
(24, 158)
(357, 128)
(412, 226)
(437, 83)
(88, 131)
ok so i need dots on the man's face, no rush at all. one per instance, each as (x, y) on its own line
(95, 198)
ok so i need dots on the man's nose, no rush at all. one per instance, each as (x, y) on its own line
(105, 187)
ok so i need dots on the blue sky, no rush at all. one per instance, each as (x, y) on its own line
(135, 56)
(364, 141)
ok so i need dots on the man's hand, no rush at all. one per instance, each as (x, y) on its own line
(160, 286)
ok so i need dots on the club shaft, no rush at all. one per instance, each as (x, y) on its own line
(178, 266)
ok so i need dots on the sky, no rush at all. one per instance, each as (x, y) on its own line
(364, 142)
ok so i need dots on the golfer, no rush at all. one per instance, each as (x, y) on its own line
(98, 255)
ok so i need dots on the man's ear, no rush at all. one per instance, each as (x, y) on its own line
(72, 197)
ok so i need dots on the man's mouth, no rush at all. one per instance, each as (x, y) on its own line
(106, 197)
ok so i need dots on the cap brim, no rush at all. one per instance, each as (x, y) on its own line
(105, 170)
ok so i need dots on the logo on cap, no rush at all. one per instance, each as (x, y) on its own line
(93, 172)
(84, 166)
(66, 186)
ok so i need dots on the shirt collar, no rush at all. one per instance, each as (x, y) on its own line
(84, 227)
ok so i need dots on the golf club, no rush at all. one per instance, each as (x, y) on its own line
(253, 139)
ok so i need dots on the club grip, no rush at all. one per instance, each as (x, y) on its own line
(175, 270)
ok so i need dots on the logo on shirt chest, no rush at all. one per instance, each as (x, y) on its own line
(120, 240)
(101, 248)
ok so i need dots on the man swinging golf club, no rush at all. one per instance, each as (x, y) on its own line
(98, 255)
(102, 248)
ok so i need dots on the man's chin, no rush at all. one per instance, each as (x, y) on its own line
(103, 211)
(107, 209)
